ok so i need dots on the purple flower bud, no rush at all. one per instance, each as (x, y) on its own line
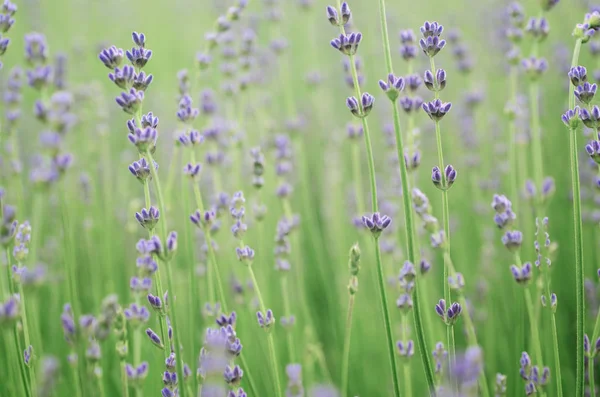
(130, 101)
(585, 92)
(123, 78)
(436, 109)
(578, 75)
(571, 118)
(154, 338)
(148, 218)
(512, 240)
(111, 57)
(376, 223)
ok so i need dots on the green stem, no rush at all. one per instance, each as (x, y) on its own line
(386, 318)
(286, 309)
(163, 222)
(411, 242)
(346, 352)
(124, 382)
(557, 370)
(407, 372)
(357, 176)
(270, 340)
(536, 139)
(535, 338)
(26, 336)
(578, 240)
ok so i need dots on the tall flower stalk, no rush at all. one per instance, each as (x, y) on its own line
(360, 106)
(573, 118)
(354, 266)
(392, 88)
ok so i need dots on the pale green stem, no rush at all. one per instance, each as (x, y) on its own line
(286, 309)
(407, 372)
(346, 352)
(578, 240)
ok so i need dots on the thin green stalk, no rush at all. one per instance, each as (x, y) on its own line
(286, 309)
(386, 318)
(19, 348)
(270, 340)
(409, 230)
(27, 339)
(411, 243)
(536, 138)
(578, 240)
(445, 215)
(72, 289)
(124, 381)
(557, 370)
(161, 205)
(591, 380)
(535, 335)
(357, 176)
(407, 372)
(346, 352)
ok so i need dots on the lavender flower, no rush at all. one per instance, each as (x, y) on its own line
(347, 43)
(437, 83)
(245, 254)
(266, 321)
(130, 101)
(154, 338)
(392, 87)
(512, 240)
(294, 387)
(111, 57)
(36, 48)
(148, 218)
(233, 376)
(585, 92)
(538, 28)
(141, 170)
(504, 214)
(139, 56)
(436, 109)
(448, 315)
(124, 77)
(591, 118)
(522, 275)
(571, 118)
(376, 223)
(534, 67)
(578, 75)
(362, 109)
(144, 139)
